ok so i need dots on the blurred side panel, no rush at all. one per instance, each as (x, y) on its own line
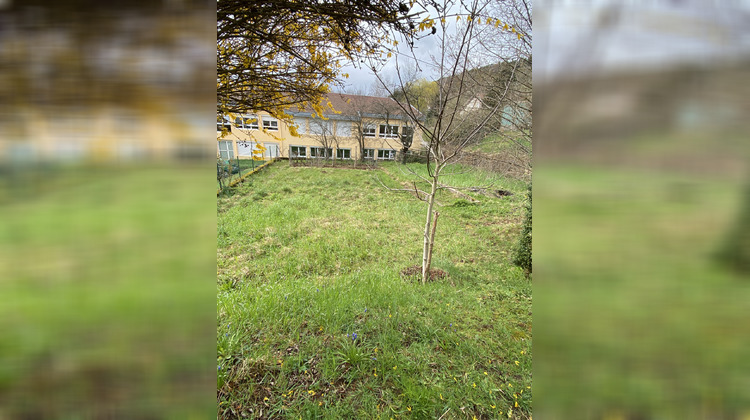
(107, 239)
(641, 209)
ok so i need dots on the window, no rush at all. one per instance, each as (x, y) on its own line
(368, 131)
(387, 130)
(320, 127)
(297, 151)
(386, 154)
(301, 124)
(249, 122)
(343, 153)
(343, 129)
(270, 124)
(321, 152)
(223, 124)
(226, 150)
(246, 148)
(368, 153)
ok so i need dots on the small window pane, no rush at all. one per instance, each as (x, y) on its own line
(226, 151)
(301, 124)
(270, 124)
(298, 151)
(343, 129)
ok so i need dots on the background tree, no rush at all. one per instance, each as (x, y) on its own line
(422, 94)
(277, 53)
(323, 132)
(362, 125)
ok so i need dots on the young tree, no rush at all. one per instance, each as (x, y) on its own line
(452, 128)
(322, 130)
(362, 127)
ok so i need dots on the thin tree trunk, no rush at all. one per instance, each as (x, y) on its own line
(432, 244)
(426, 248)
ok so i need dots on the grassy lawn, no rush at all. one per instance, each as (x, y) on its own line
(103, 294)
(316, 321)
(633, 318)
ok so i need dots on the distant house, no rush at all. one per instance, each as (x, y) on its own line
(508, 83)
(376, 123)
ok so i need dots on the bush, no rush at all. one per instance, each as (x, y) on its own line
(522, 256)
(463, 203)
(734, 252)
(412, 157)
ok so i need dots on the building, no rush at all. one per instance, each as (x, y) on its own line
(367, 126)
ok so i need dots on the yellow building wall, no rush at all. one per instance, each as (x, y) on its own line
(284, 139)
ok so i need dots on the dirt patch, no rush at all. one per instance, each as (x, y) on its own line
(415, 272)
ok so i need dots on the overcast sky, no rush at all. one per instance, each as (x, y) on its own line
(599, 35)
(363, 79)
(579, 36)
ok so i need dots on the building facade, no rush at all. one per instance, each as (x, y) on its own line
(358, 126)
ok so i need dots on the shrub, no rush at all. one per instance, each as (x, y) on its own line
(734, 252)
(522, 256)
(412, 157)
(463, 203)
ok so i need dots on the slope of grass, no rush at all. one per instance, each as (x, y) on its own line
(103, 294)
(634, 318)
(500, 142)
(309, 257)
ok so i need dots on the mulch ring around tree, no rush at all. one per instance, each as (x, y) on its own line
(415, 273)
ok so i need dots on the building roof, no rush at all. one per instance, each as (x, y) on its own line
(351, 106)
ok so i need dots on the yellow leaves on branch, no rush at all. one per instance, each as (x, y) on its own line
(426, 24)
(293, 131)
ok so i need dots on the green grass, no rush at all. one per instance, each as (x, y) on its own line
(103, 286)
(307, 257)
(634, 318)
(501, 142)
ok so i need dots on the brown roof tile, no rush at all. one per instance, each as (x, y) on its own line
(349, 105)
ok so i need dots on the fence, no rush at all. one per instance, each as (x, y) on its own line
(230, 172)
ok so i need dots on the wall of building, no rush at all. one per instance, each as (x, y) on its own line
(241, 140)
